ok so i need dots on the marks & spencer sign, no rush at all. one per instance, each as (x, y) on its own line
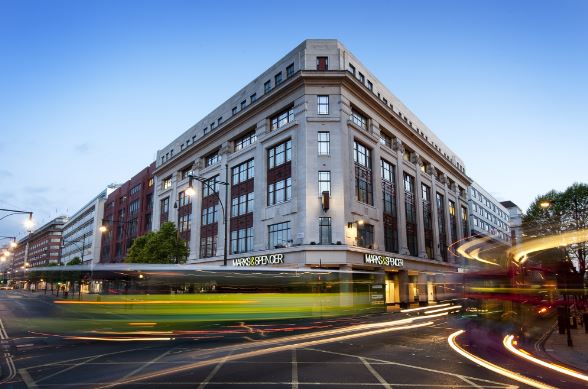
(383, 260)
(259, 260)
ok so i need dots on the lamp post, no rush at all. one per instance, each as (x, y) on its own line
(28, 222)
(204, 181)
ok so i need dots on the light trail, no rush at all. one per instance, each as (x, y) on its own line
(443, 309)
(521, 252)
(490, 366)
(508, 343)
(422, 308)
(391, 326)
(155, 302)
(124, 339)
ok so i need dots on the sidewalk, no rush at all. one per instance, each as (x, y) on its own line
(576, 357)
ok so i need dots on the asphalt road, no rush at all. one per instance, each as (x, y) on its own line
(375, 351)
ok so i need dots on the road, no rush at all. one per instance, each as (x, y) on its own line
(387, 350)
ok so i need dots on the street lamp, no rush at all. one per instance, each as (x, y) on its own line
(28, 223)
(206, 182)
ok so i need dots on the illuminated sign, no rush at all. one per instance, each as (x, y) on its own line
(259, 260)
(383, 260)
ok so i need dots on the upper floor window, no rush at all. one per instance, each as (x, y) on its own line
(361, 155)
(211, 159)
(324, 182)
(244, 171)
(385, 139)
(387, 171)
(279, 234)
(365, 235)
(359, 119)
(184, 199)
(408, 183)
(324, 142)
(278, 78)
(210, 186)
(134, 207)
(361, 78)
(167, 183)
(246, 140)
(322, 63)
(323, 105)
(243, 104)
(279, 191)
(351, 69)
(280, 154)
(164, 206)
(267, 86)
(253, 97)
(135, 189)
(290, 70)
(234, 111)
(282, 118)
(185, 172)
(371, 87)
(150, 182)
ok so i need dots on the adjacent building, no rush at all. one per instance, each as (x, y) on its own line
(127, 215)
(41, 247)
(515, 221)
(488, 217)
(316, 163)
(81, 234)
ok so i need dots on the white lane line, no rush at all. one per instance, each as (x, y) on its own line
(470, 382)
(7, 356)
(294, 370)
(375, 374)
(215, 370)
(67, 369)
(67, 361)
(144, 365)
(28, 380)
(383, 361)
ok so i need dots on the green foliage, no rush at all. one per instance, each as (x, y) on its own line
(568, 211)
(163, 246)
(75, 261)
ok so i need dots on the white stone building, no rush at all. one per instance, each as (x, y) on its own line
(488, 217)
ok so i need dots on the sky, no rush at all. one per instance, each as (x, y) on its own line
(90, 90)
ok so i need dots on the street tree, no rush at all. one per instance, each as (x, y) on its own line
(566, 211)
(163, 246)
(74, 261)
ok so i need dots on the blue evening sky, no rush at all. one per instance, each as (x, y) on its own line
(89, 90)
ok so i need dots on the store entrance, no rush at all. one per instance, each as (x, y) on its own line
(392, 289)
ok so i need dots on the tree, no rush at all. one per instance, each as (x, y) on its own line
(74, 261)
(568, 211)
(163, 246)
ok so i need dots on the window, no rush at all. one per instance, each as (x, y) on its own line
(324, 182)
(243, 204)
(361, 78)
(351, 69)
(365, 235)
(184, 199)
(387, 170)
(208, 246)
(279, 192)
(243, 171)
(323, 105)
(278, 78)
(280, 154)
(385, 139)
(219, 120)
(253, 97)
(243, 104)
(234, 110)
(242, 240)
(246, 140)
(209, 215)
(411, 217)
(185, 172)
(213, 158)
(453, 221)
(325, 230)
(441, 225)
(322, 63)
(267, 86)
(164, 207)
(134, 207)
(282, 118)
(290, 70)
(324, 140)
(371, 87)
(361, 155)
(135, 189)
(279, 235)
(150, 182)
(167, 183)
(359, 119)
(210, 186)
(185, 222)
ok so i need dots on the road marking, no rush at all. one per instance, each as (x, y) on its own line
(383, 361)
(28, 380)
(67, 369)
(215, 370)
(375, 374)
(338, 384)
(67, 361)
(7, 356)
(144, 365)
(294, 370)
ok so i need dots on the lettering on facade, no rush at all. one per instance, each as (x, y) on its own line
(259, 260)
(383, 260)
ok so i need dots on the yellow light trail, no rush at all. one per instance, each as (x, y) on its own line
(520, 253)
(493, 367)
(389, 327)
(422, 308)
(475, 254)
(116, 339)
(443, 309)
(155, 302)
(508, 343)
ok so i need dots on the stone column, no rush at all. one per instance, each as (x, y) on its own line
(448, 236)
(422, 289)
(400, 204)
(416, 159)
(434, 211)
(403, 288)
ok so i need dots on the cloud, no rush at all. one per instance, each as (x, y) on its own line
(82, 147)
(36, 189)
(5, 174)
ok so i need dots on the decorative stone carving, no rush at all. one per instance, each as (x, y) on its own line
(198, 164)
(226, 148)
(398, 146)
(443, 178)
(416, 159)
(431, 170)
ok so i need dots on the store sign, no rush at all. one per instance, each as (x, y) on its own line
(259, 260)
(383, 260)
